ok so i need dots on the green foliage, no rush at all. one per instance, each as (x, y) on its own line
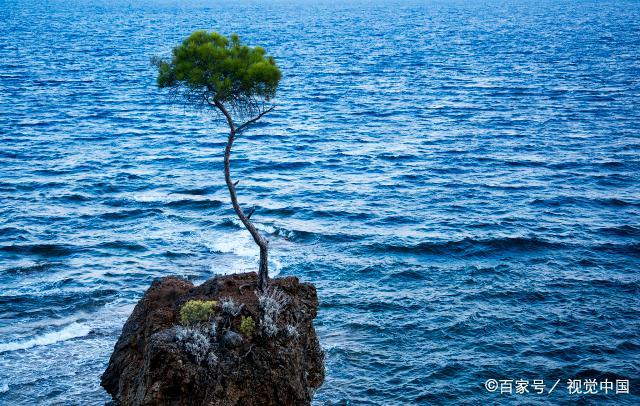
(197, 310)
(221, 69)
(247, 326)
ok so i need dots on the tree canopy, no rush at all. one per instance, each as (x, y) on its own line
(210, 67)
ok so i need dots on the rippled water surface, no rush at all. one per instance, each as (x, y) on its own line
(459, 179)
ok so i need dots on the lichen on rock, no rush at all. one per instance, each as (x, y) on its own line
(193, 342)
(271, 301)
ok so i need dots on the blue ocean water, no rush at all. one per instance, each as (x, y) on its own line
(460, 179)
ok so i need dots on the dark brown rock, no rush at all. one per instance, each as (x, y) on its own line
(158, 362)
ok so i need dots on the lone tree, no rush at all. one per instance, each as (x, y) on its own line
(212, 71)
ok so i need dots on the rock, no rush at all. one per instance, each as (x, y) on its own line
(156, 361)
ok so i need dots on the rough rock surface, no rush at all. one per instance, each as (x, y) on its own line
(157, 361)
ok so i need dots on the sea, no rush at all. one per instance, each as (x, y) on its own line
(460, 179)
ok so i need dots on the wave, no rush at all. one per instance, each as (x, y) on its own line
(397, 219)
(26, 269)
(290, 234)
(308, 236)
(313, 213)
(279, 211)
(621, 249)
(196, 191)
(407, 275)
(129, 214)
(73, 330)
(15, 303)
(468, 246)
(75, 198)
(343, 214)
(11, 231)
(30, 186)
(387, 156)
(123, 245)
(238, 243)
(229, 222)
(282, 166)
(195, 204)
(517, 296)
(558, 201)
(621, 231)
(176, 254)
(625, 286)
(50, 250)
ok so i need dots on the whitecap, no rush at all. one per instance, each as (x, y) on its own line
(73, 330)
(238, 243)
(4, 388)
(150, 197)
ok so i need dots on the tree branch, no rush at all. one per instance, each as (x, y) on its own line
(227, 116)
(253, 120)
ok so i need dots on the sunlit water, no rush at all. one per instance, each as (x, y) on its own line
(459, 179)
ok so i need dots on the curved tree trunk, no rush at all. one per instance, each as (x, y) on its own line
(263, 243)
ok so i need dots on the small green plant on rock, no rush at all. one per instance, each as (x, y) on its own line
(197, 310)
(247, 326)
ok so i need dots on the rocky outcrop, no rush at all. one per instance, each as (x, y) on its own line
(252, 348)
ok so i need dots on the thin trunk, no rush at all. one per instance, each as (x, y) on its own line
(263, 243)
